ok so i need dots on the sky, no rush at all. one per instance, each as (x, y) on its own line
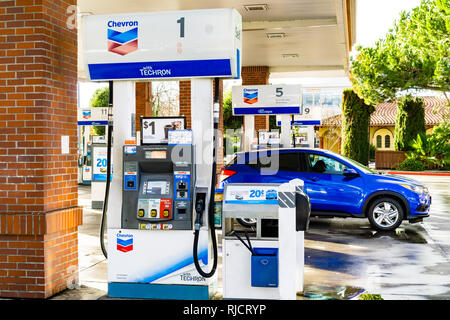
(374, 18)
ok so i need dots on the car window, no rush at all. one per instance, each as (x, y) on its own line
(289, 161)
(282, 161)
(323, 164)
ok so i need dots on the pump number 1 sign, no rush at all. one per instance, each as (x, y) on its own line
(169, 45)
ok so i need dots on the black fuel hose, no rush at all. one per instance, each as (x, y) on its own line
(211, 224)
(108, 171)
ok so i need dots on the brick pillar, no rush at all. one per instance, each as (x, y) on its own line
(257, 75)
(39, 213)
(185, 101)
(143, 102)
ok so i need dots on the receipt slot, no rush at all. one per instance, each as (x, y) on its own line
(266, 260)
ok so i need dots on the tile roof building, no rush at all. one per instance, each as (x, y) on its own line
(382, 124)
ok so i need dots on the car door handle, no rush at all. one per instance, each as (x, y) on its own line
(314, 179)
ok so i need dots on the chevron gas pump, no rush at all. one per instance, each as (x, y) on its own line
(159, 205)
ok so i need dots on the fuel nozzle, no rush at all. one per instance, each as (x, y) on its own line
(199, 209)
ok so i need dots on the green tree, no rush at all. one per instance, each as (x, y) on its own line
(412, 55)
(230, 121)
(355, 127)
(100, 99)
(410, 121)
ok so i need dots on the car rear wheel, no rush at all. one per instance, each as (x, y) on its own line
(385, 214)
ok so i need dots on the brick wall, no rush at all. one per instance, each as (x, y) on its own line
(257, 75)
(38, 184)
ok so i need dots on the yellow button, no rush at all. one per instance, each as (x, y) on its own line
(165, 213)
(141, 212)
(153, 213)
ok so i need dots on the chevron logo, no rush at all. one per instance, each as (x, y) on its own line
(86, 114)
(250, 96)
(123, 42)
(125, 245)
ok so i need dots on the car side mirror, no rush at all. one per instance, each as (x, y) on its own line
(351, 173)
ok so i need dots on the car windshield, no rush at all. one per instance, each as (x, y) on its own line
(361, 167)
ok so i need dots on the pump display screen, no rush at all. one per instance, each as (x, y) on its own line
(156, 154)
(156, 187)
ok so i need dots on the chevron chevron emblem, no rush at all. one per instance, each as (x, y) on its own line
(123, 42)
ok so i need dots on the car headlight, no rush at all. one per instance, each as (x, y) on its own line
(417, 189)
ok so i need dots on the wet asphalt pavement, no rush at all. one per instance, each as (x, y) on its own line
(342, 256)
(412, 262)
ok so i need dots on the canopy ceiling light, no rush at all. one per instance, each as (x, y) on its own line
(256, 7)
(276, 35)
(289, 55)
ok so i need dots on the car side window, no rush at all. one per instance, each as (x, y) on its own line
(289, 161)
(283, 161)
(323, 164)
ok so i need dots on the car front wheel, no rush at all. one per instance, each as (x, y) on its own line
(385, 214)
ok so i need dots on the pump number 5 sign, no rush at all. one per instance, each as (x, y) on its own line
(269, 99)
(155, 130)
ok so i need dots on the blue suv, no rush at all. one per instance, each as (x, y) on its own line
(336, 185)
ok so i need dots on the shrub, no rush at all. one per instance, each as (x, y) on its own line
(433, 150)
(355, 127)
(411, 164)
(372, 150)
(409, 123)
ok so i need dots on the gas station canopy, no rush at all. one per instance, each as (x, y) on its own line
(288, 36)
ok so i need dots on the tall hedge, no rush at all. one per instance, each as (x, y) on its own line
(355, 127)
(410, 121)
